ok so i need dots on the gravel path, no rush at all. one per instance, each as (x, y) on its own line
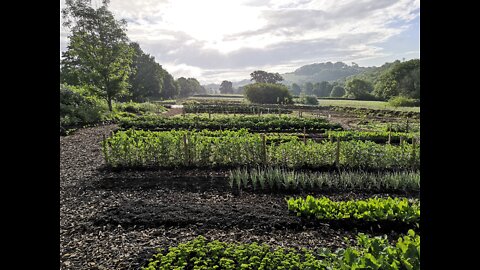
(116, 220)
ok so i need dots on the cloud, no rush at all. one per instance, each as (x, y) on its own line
(214, 39)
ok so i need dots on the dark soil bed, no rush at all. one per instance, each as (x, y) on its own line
(116, 220)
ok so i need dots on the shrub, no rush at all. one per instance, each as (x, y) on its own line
(268, 93)
(401, 101)
(309, 100)
(78, 109)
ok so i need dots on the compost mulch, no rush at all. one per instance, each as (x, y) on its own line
(117, 219)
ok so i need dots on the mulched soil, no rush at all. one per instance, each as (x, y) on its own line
(116, 220)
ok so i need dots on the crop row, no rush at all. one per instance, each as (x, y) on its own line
(250, 122)
(377, 136)
(235, 108)
(139, 148)
(369, 253)
(372, 209)
(285, 179)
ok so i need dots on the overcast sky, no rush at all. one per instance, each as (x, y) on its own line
(216, 40)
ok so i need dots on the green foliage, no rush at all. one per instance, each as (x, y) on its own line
(140, 108)
(268, 93)
(98, 54)
(265, 123)
(402, 79)
(322, 89)
(370, 253)
(296, 89)
(78, 109)
(372, 209)
(146, 80)
(260, 76)
(284, 179)
(359, 89)
(308, 100)
(401, 101)
(138, 148)
(376, 136)
(338, 91)
(190, 86)
(226, 87)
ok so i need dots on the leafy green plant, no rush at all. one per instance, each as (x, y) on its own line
(368, 253)
(372, 209)
(138, 148)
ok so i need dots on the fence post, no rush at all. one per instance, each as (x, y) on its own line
(337, 157)
(407, 126)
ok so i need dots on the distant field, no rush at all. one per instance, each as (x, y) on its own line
(365, 104)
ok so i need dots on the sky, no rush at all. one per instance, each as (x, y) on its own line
(216, 40)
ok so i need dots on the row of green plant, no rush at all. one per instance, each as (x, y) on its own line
(368, 253)
(374, 112)
(140, 108)
(235, 108)
(372, 209)
(396, 126)
(267, 178)
(139, 148)
(377, 136)
(265, 123)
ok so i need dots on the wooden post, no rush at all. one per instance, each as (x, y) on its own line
(304, 135)
(389, 137)
(337, 158)
(401, 140)
(209, 116)
(407, 126)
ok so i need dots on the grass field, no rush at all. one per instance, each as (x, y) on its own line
(379, 105)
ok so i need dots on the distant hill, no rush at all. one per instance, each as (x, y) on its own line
(322, 72)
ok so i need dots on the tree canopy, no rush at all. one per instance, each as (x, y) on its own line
(268, 93)
(226, 87)
(261, 76)
(98, 54)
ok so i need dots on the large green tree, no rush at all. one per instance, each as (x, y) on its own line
(322, 89)
(190, 86)
(226, 87)
(359, 89)
(296, 89)
(402, 79)
(261, 76)
(268, 93)
(98, 54)
(146, 80)
(170, 86)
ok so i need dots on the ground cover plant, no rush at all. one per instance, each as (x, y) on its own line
(368, 253)
(272, 179)
(265, 123)
(139, 148)
(372, 209)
